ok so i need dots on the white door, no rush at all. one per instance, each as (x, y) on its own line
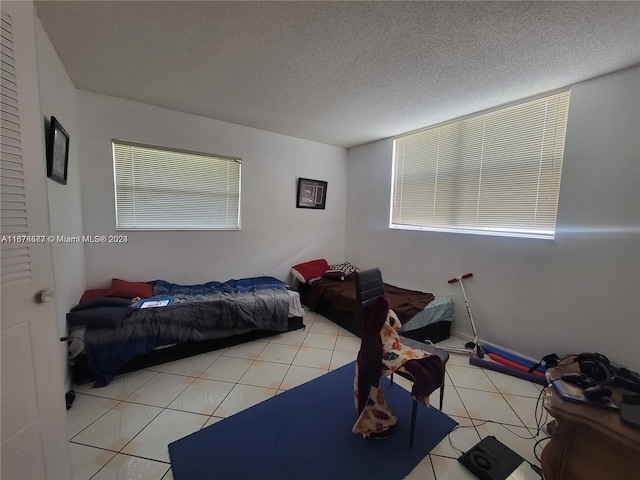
(33, 430)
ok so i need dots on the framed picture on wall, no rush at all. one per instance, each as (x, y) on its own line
(57, 152)
(311, 193)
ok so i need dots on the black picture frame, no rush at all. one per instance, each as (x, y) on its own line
(57, 152)
(311, 194)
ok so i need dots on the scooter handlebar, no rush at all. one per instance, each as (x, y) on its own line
(457, 279)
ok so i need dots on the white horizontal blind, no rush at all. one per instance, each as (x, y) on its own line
(495, 173)
(162, 189)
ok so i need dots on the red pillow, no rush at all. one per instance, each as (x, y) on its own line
(124, 289)
(91, 294)
(312, 269)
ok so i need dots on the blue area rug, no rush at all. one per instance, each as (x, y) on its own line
(305, 433)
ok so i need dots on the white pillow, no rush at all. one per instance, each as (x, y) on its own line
(298, 276)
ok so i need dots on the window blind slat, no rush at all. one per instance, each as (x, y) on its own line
(160, 189)
(494, 172)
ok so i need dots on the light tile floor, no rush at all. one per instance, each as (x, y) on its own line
(121, 431)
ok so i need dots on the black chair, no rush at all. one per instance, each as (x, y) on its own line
(369, 285)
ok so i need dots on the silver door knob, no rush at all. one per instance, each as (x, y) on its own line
(46, 295)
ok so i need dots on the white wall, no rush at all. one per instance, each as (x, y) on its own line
(579, 292)
(58, 98)
(576, 293)
(275, 235)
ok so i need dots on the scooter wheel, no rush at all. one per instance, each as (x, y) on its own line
(480, 351)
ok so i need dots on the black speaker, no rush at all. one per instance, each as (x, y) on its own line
(490, 460)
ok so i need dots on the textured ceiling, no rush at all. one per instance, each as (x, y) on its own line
(341, 73)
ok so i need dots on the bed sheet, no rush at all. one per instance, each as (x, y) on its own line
(197, 313)
(342, 296)
(295, 304)
(439, 310)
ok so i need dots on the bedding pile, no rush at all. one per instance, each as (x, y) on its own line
(335, 284)
(330, 290)
(117, 331)
(406, 303)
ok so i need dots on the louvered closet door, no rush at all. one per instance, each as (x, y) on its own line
(34, 440)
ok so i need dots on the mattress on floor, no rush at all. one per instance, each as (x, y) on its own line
(440, 309)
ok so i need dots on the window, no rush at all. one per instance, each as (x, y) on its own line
(158, 188)
(493, 173)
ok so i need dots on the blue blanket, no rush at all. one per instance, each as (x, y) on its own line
(244, 285)
(198, 313)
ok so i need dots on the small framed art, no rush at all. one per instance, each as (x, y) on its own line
(57, 152)
(311, 193)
